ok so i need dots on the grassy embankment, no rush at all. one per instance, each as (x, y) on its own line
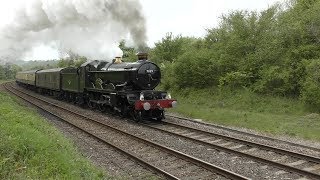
(276, 115)
(31, 148)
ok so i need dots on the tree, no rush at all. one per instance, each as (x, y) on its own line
(73, 59)
(129, 53)
(2, 73)
(10, 70)
(169, 48)
(311, 86)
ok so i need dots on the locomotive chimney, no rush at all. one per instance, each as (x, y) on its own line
(142, 56)
(118, 60)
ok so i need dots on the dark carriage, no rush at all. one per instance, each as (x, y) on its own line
(49, 79)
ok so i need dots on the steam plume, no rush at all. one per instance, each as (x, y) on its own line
(91, 28)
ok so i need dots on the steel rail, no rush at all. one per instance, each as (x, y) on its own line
(244, 133)
(250, 143)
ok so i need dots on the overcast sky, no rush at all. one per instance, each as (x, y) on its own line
(186, 17)
(191, 17)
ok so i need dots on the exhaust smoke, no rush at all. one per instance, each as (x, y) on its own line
(91, 28)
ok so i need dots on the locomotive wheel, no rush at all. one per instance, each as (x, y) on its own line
(102, 108)
(69, 97)
(160, 117)
(79, 101)
(137, 116)
(124, 111)
(90, 104)
(112, 111)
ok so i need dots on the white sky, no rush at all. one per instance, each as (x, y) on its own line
(186, 17)
(191, 17)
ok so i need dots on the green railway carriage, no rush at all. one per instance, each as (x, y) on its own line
(49, 79)
(27, 77)
(70, 80)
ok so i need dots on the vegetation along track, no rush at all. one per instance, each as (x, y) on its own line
(289, 161)
(169, 163)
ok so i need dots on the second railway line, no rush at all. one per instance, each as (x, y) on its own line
(235, 132)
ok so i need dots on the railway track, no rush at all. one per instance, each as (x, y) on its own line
(162, 160)
(244, 133)
(288, 161)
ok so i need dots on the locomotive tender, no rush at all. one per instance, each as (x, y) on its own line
(117, 87)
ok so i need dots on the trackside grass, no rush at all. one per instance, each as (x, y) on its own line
(31, 148)
(242, 108)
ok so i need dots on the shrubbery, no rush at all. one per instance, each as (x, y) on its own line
(268, 52)
(311, 87)
(197, 69)
(8, 71)
(235, 80)
(274, 80)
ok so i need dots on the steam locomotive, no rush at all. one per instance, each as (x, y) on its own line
(121, 88)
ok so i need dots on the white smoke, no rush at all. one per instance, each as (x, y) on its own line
(91, 28)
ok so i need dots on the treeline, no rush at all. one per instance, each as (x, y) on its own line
(274, 52)
(73, 59)
(8, 71)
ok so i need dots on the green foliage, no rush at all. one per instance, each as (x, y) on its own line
(2, 73)
(171, 47)
(9, 71)
(74, 60)
(311, 87)
(129, 53)
(168, 80)
(196, 69)
(65, 63)
(274, 80)
(38, 64)
(80, 61)
(235, 80)
(31, 148)
(261, 51)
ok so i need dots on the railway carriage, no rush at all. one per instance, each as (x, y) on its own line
(49, 79)
(27, 78)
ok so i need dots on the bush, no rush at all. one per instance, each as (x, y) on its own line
(235, 80)
(196, 68)
(167, 81)
(311, 87)
(274, 80)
